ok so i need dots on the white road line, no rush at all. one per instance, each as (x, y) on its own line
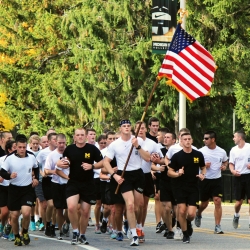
(65, 241)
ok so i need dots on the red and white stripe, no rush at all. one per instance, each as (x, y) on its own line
(191, 71)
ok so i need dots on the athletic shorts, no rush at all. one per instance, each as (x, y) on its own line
(187, 195)
(86, 190)
(157, 181)
(20, 196)
(210, 188)
(4, 195)
(133, 180)
(39, 192)
(149, 189)
(46, 185)
(242, 187)
(105, 193)
(166, 193)
(59, 195)
(115, 198)
(97, 188)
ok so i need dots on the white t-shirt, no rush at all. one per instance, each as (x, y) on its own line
(240, 157)
(65, 171)
(120, 150)
(216, 157)
(42, 155)
(5, 182)
(50, 164)
(23, 168)
(174, 149)
(152, 147)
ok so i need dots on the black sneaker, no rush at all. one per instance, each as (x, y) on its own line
(74, 239)
(166, 233)
(82, 239)
(158, 230)
(104, 227)
(26, 239)
(48, 231)
(18, 242)
(189, 228)
(125, 227)
(186, 239)
(65, 228)
(52, 231)
(170, 235)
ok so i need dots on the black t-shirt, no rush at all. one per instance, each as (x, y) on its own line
(191, 163)
(2, 152)
(149, 136)
(88, 154)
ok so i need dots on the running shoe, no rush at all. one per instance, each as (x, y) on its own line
(125, 227)
(18, 242)
(160, 227)
(113, 235)
(52, 231)
(5, 236)
(26, 239)
(60, 237)
(236, 222)
(82, 239)
(11, 236)
(165, 233)
(97, 229)
(91, 223)
(197, 220)
(218, 230)
(142, 237)
(32, 226)
(119, 236)
(38, 224)
(135, 241)
(65, 228)
(109, 230)
(48, 231)
(186, 239)
(104, 227)
(74, 239)
(178, 235)
(170, 235)
(7, 229)
(41, 227)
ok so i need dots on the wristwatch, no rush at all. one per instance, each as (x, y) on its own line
(139, 147)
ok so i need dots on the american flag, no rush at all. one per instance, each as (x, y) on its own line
(188, 66)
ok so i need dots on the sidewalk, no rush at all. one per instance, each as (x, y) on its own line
(227, 209)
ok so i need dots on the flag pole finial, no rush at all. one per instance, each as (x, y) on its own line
(183, 13)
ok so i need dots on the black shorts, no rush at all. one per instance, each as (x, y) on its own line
(39, 192)
(115, 198)
(210, 188)
(105, 193)
(242, 187)
(149, 189)
(97, 188)
(20, 196)
(166, 193)
(157, 181)
(59, 195)
(4, 195)
(46, 185)
(133, 180)
(86, 190)
(188, 195)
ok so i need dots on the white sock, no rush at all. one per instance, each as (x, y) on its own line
(237, 215)
(139, 226)
(76, 231)
(133, 231)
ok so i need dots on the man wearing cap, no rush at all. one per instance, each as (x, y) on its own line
(132, 185)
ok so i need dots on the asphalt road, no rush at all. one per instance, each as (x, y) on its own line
(202, 238)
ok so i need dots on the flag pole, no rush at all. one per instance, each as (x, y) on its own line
(182, 98)
(138, 129)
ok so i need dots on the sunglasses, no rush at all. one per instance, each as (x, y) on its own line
(206, 138)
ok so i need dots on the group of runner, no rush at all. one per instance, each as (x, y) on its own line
(67, 180)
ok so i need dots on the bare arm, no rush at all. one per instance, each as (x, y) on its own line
(62, 174)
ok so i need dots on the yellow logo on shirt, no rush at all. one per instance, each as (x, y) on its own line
(87, 155)
(196, 160)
